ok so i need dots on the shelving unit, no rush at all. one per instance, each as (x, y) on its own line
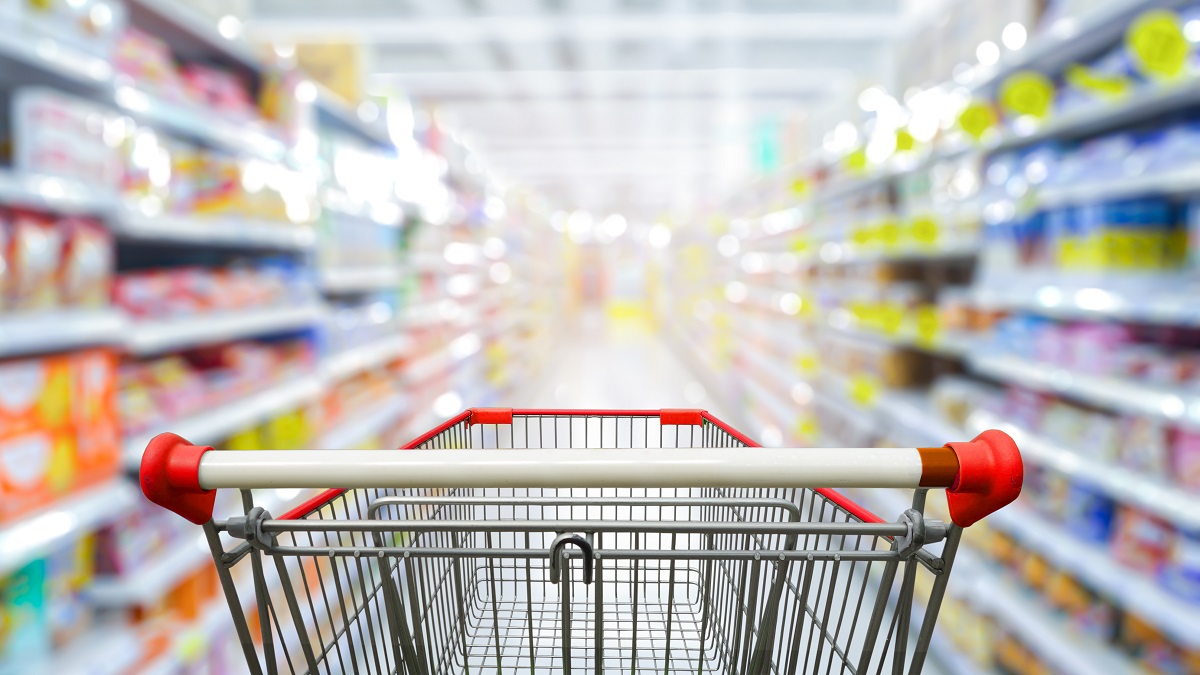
(220, 421)
(62, 522)
(213, 231)
(164, 335)
(59, 331)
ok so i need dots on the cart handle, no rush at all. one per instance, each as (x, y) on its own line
(980, 476)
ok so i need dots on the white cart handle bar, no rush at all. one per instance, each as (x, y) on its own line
(980, 476)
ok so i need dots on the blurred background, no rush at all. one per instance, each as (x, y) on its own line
(309, 224)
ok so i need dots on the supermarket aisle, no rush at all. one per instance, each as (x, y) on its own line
(606, 363)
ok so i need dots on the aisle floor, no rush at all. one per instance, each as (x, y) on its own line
(604, 363)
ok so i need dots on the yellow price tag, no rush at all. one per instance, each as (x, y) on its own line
(1157, 45)
(905, 141)
(862, 235)
(929, 324)
(800, 245)
(799, 187)
(890, 318)
(1027, 93)
(863, 390)
(925, 230)
(806, 364)
(857, 160)
(807, 429)
(1086, 79)
(889, 233)
(976, 119)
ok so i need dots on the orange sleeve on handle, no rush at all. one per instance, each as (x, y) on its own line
(990, 475)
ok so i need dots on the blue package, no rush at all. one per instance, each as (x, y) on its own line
(1088, 513)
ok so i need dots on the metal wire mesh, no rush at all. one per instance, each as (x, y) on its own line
(406, 596)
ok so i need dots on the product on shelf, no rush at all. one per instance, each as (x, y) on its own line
(53, 263)
(89, 26)
(154, 392)
(55, 134)
(190, 291)
(56, 428)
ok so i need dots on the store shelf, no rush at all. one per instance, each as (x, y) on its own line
(48, 193)
(1036, 625)
(1169, 404)
(1069, 39)
(360, 279)
(333, 112)
(44, 531)
(154, 337)
(221, 421)
(363, 425)
(847, 253)
(59, 330)
(213, 231)
(1167, 299)
(201, 125)
(185, 27)
(102, 651)
(27, 56)
(948, 344)
(1156, 496)
(382, 213)
(1183, 181)
(366, 357)
(1148, 101)
(153, 578)
(1093, 564)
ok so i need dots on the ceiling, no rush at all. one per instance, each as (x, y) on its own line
(633, 106)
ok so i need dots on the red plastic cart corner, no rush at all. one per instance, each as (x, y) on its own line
(170, 477)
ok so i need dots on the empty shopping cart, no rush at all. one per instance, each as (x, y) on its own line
(547, 541)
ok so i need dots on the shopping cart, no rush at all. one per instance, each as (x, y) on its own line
(609, 541)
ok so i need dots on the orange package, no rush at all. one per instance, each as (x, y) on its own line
(36, 468)
(35, 393)
(94, 415)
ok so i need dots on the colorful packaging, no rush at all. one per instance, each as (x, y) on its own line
(35, 248)
(5, 265)
(1185, 457)
(87, 263)
(55, 134)
(1141, 541)
(1088, 512)
(1145, 446)
(1153, 650)
(94, 413)
(1087, 612)
(36, 468)
(24, 622)
(1181, 573)
(68, 572)
(35, 393)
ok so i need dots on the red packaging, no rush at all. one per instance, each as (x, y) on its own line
(35, 249)
(1141, 541)
(87, 263)
(1185, 457)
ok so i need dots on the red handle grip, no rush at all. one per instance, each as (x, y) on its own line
(990, 474)
(170, 477)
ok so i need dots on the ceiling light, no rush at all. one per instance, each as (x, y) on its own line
(988, 53)
(229, 27)
(1013, 36)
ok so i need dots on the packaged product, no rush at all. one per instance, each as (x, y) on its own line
(55, 134)
(1153, 650)
(5, 266)
(1091, 348)
(216, 89)
(145, 61)
(1101, 438)
(187, 162)
(1086, 611)
(87, 263)
(1087, 512)
(1140, 540)
(90, 26)
(1144, 445)
(147, 171)
(1181, 573)
(36, 467)
(35, 248)
(68, 572)
(218, 185)
(35, 393)
(24, 622)
(94, 416)
(1185, 457)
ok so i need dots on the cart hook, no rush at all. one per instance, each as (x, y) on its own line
(556, 555)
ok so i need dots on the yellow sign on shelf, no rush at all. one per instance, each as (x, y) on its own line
(1157, 45)
(1027, 92)
(863, 390)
